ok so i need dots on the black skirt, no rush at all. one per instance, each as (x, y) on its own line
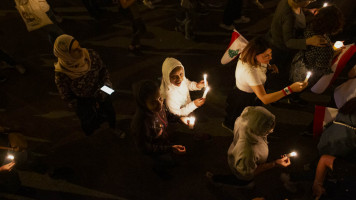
(236, 102)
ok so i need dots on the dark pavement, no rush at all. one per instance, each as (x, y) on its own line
(104, 166)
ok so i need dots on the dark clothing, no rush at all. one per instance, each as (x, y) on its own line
(7, 58)
(232, 11)
(138, 26)
(236, 101)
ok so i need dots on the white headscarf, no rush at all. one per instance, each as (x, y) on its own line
(72, 67)
(167, 67)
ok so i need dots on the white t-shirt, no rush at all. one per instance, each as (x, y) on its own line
(247, 76)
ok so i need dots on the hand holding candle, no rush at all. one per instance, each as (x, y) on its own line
(307, 77)
(206, 92)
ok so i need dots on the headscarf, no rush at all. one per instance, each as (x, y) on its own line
(167, 67)
(72, 67)
(254, 124)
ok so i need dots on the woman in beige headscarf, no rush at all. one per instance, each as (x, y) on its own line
(247, 155)
(79, 75)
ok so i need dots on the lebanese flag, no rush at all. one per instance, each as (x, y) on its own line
(322, 116)
(337, 66)
(237, 44)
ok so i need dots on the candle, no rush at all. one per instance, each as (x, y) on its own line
(292, 154)
(10, 157)
(191, 122)
(205, 83)
(308, 76)
(325, 4)
(338, 44)
(206, 92)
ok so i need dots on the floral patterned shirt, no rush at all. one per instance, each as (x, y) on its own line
(87, 86)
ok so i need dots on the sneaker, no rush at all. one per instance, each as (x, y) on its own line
(258, 4)
(227, 27)
(227, 127)
(242, 19)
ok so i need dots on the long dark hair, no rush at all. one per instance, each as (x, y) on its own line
(256, 46)
(329, 20)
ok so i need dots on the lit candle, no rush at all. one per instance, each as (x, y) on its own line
(292, 154)
(338, 44)
(191, 122)
(308, 76)
(10, 157)
(205, 83)
(325, 4)
(206, 92)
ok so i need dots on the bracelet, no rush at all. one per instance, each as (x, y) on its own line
(287, 91)
(290, 89)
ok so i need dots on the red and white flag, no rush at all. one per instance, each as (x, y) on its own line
(237, 44)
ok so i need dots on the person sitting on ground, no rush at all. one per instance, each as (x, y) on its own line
(250, 79)
(175, 89)
(328, 21)
(149, 126)
(343, 175)
(248, 152)
(79, 75)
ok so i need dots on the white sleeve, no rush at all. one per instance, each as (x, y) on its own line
(174, 107)
(252, 78)
(192, 85)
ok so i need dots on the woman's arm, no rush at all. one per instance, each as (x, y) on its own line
(325, 163)
(126, 3)
(260, 92)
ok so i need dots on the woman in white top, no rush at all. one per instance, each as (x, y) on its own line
(175, 89)
(250, 79)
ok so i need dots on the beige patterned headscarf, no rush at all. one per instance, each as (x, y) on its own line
(72, 67)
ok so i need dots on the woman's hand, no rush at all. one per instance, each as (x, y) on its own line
(179, 149)
(199, 102)
(283, 162)
(7, 167)
(273, 68)
(317, 40)
(201, 84)
(298, 86)
(318, 190)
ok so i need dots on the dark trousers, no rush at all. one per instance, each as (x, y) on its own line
(138, 26)
(93, 113)
(232, 11)
(236, 102)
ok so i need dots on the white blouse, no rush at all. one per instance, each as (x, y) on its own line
(247, 76)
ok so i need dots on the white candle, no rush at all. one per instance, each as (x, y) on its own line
(338, 44)
(191, 122)
(308, 76)
(10, 157)
(206, 92)
(292, 154)
(325, 4)
(205, 83)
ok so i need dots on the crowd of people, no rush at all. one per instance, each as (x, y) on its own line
(298, 45)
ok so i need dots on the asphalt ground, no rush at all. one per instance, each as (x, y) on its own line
(104, 166)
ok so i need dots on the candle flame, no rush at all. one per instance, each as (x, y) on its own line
(338, 44)
(10, 157)
(191, 120)
(325, 4)
(292, 154)
(308, 75)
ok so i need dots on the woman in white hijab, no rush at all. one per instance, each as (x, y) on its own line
(175, 89)
(247, 155)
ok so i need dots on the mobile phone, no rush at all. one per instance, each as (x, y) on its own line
(107, 90)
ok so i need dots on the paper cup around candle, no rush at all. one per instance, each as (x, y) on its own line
(307, 77)
(191, 122)
(206, 92)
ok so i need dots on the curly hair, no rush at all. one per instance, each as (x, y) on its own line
(329, 20)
